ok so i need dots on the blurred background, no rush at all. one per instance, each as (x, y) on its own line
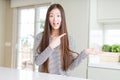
(96, 22)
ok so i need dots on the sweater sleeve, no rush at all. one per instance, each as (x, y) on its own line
(78, 60)
(39, 59)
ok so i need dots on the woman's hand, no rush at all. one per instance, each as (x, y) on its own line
(92, 51)
(56, 41)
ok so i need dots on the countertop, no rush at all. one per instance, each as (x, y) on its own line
(15, 74)
(95, 62)
(108, 65)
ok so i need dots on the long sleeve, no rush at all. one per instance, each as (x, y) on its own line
(78, 60)
(39, 59)
(55, 66)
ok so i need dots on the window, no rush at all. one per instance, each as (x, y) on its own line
(25, 38)
(109, 34)
(30, 22)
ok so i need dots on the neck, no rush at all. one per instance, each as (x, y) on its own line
(55, 33)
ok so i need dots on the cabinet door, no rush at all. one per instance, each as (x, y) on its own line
(108, 9)
(103, 74)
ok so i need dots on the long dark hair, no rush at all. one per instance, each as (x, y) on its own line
(66, 56)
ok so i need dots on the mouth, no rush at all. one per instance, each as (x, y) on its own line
(55, 24)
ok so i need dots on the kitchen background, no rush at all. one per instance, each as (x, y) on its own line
(96, 22)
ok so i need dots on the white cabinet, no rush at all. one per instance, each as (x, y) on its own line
(108, 9)
(103, 74)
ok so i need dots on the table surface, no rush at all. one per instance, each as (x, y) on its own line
(15, 74)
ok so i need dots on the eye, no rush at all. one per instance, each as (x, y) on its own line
(58, 16)
(50, 15)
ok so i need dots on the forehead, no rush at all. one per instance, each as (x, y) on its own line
(55, 11)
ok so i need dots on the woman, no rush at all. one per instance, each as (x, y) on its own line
(53, 47)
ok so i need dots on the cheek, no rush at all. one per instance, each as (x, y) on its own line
(50, 20)
(60, 21)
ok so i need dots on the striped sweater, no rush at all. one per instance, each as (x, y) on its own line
(54, 57)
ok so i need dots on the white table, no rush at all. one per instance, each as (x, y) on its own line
(15, 74)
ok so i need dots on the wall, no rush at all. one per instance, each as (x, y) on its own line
(8, 35)
(95, 29)
(2, 25)
(19, 3)
(5, 33)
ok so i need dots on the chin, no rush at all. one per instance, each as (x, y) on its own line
(56, 28)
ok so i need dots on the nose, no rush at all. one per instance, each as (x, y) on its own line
(55, 18)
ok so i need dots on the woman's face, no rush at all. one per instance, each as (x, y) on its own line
(55, 18)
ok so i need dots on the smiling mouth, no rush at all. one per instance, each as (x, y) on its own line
(55, 23)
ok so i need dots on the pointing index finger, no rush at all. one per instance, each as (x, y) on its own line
(62, 35)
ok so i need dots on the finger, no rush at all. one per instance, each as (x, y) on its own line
(62, 35)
